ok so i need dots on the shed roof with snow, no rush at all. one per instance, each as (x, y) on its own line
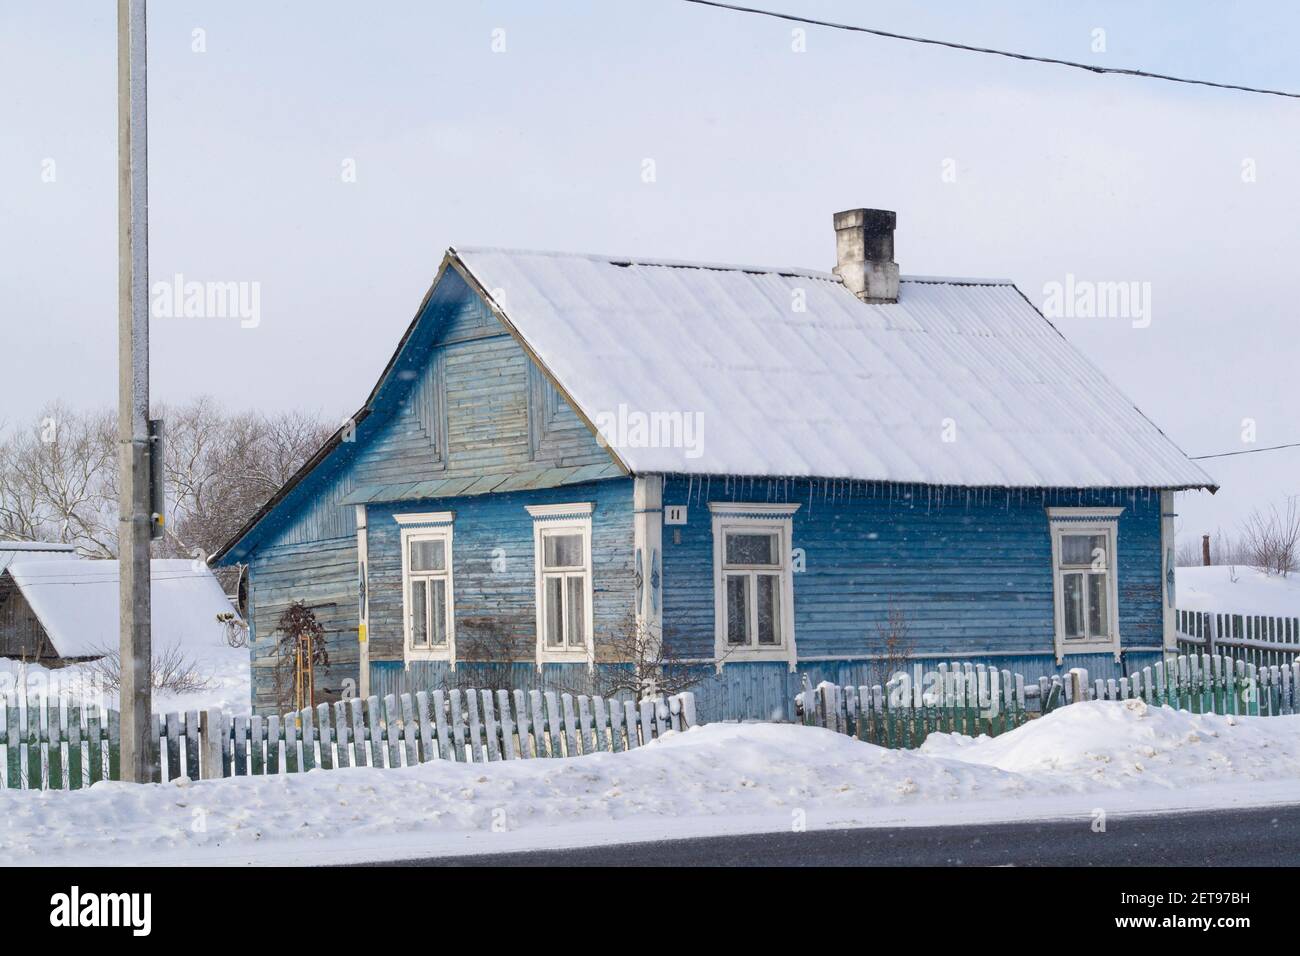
(11, 551)
(76, 603)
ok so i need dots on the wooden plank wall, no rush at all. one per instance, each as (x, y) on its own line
(971, 574)
(323, 575)
(22, 636)
(493, 562)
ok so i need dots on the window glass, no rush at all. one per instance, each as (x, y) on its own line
(554, 596)
(1072, 593)
(745, 548)
(562, 551)
(428, 555)
(577, 622)
(769, 609)
(1084, 550)
(738, 609)
(419, 615)
(438, 611)
(1098, 620)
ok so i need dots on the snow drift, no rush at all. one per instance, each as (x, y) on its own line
(719, 778)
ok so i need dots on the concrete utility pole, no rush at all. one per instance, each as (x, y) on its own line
(133, 391)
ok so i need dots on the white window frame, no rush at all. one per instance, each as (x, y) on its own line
(1086, 521)
(558, 519)
(428, 526)
(745, 517)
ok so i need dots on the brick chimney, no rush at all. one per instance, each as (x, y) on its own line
(864, 248)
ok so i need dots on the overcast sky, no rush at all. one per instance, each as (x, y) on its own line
(542, 145)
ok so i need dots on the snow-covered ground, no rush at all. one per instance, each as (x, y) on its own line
(716, 779)
(1238, 590)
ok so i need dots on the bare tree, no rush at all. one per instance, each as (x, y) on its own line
(58, 475)
(1271, 540)
(221, 468)
(1224, 550)
(58, 481)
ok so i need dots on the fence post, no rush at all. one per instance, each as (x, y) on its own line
(1078, 684)
(1212, 634)
(688, 709)
(210, 745)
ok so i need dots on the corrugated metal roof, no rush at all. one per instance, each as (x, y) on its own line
(788, 374)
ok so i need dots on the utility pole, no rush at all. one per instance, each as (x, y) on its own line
(134, 528)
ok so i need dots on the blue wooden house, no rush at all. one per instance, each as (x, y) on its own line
(783, 472)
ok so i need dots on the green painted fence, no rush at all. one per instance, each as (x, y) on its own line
(950, 698)
(55, 743)
(974, 699)
(1254, 638)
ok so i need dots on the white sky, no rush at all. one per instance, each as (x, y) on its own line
(1058, 172)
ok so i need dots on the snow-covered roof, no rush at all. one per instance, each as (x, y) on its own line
(961, 382)
(11, 551)
(76, 602)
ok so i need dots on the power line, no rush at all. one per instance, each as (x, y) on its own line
(1247, 451)
(1090, 67)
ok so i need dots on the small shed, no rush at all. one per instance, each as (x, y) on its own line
(57, 609)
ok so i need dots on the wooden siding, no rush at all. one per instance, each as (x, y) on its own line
(391, 677)
(971, 575)
(22, 636)
(323, 575)
(493, 566)
(465, 374)
(458, 404)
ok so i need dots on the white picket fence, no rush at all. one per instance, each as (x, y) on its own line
(52, 742)
(1257, 639)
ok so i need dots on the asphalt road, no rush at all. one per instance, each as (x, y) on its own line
(1258, 837)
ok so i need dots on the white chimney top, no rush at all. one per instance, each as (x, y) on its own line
(864, 248)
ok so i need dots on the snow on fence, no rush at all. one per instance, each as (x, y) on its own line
(54, 743)
(1257, 639)
(952, 698)
(974, 699)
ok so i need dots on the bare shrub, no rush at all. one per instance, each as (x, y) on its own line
(643, 660)
(894, 637)
(172, 670)
(299, 651)
(490, 646)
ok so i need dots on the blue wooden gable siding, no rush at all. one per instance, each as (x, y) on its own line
(462, 403)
